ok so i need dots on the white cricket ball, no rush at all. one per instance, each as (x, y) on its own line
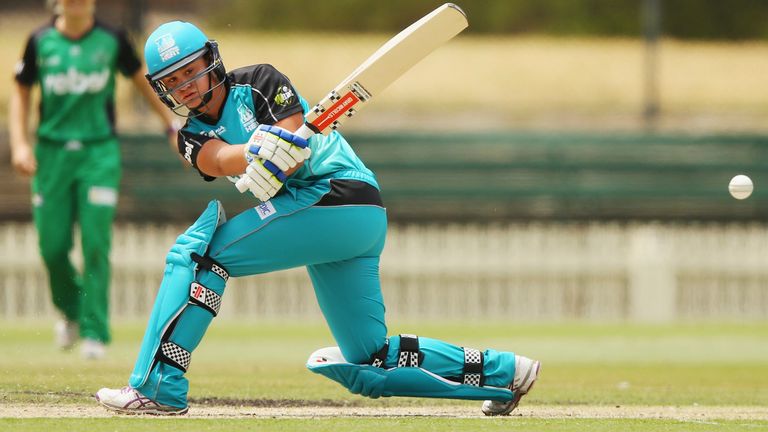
(740, 187)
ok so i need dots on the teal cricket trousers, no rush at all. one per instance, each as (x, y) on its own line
(340, 245)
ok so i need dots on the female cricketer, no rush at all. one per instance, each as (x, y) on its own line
(319, 208)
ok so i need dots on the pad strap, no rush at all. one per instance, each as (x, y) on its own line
(380, 357)
(473, 368)
(174, 355)
(409, 355)
(409, 351)
(206, 298)
(211, 264)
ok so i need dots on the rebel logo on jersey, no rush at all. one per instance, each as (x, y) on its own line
(75, 82)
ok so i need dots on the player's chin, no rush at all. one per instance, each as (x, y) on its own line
(196, 104)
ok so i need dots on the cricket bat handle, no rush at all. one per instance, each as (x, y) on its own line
(304, 131)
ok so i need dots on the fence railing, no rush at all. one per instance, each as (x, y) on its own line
(502, 176)
(518, 272)
(483, 177)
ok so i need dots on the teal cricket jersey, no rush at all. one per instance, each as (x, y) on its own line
(259, 94)
(77, 80)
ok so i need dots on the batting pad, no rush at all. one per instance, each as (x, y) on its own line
(174, 293)
(374, 382)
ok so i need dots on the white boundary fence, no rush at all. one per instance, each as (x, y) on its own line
(644, 272)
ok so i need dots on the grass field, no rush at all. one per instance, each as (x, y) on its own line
(248, 376)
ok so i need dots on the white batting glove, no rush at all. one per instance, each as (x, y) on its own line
(278, 146)
(262, 178)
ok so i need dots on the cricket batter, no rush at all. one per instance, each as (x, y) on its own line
(75, 166)
(320, 208)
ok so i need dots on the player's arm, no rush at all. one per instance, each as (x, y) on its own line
(217, 158)
(22, 155)
(25, 76)
(292, 122)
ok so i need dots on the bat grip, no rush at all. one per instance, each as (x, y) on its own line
(304, 131)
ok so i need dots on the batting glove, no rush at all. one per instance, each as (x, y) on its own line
(262, 178)
(278, 146)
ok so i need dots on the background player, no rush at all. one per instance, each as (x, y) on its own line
(76, 162)
(326, 214)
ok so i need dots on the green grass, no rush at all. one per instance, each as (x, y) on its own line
(609, 365)
(377, 425)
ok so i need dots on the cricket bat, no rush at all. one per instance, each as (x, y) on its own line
(380, 70)
(383, 67)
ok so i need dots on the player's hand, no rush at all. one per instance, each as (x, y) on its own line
(277, 145)
(23, 160)
(262, 178)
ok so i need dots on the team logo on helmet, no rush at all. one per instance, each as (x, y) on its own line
(166, 47)
(284, 95)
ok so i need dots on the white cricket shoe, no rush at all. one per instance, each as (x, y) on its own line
(526, 372)
(93, 349)
(66, 333)
(128, 400)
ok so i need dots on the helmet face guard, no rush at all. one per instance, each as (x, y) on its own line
(216, 77)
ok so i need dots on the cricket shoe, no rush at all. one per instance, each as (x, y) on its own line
(92, 349)
(526, 372)
(128, 400)
(66, 333)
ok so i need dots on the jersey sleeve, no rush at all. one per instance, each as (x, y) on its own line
(189, 145)
(26, 69)
(273, 95)
(127, 61)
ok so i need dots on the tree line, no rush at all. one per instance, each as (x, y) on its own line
(684, 19)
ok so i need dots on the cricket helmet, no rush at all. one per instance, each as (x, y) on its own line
(174, 45)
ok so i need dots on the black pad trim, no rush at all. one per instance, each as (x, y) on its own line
(211, 264)
(380, 357)
(174, 355)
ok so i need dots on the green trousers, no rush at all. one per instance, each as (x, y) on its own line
(77, 183)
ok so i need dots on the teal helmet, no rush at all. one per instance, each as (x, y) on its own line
(174, 45)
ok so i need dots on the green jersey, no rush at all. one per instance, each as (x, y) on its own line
(77, 80)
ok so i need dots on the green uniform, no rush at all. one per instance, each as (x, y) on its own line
(78, 159)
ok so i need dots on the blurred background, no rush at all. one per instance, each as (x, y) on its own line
(560, 160)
